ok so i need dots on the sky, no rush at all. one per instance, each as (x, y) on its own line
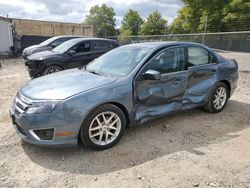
(76, 10)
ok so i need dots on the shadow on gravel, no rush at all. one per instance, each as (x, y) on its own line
(187, 131)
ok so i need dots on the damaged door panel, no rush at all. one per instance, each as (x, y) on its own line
(158, 98)
(202, 69)
(155, 98)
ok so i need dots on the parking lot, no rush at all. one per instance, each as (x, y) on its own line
(189, 149)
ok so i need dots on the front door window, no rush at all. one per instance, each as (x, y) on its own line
(82, 47)
(171, 60)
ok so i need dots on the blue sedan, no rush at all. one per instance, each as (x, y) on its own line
(127, 86)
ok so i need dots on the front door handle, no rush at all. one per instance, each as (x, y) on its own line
(213, 70)
(177, 81)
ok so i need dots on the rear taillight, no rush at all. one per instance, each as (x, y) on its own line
(235, 62)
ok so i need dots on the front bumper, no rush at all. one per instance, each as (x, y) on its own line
(33, 72)
(24, 126)
(25, 55)
(34, 68)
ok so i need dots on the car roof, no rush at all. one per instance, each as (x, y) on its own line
(164, 44)
(91, 39)
(68, 36)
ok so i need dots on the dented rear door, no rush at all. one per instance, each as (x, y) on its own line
(202, 70)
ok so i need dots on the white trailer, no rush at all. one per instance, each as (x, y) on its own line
(6, 37)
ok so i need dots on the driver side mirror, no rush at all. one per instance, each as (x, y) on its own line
(71, 52)
(152, 75)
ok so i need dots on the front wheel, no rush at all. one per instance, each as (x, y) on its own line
(218, 98)
(52, 69)
(103, 128)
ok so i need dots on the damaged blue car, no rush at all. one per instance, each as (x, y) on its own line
(127, 86)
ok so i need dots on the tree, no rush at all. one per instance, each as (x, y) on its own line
(212, 13)
(220, 16)
(123, 38)
(188, 18)
(131, 23)
(102, 19)
(154, 25)
(125, 33)
(237, 16)
(180, 24)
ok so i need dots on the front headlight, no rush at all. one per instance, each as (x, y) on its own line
(42, 107)
(24, 52)
(28, 52)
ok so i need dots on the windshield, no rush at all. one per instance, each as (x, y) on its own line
(48, 41)
(64, 46)
(118, 62)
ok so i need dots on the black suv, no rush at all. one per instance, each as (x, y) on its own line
(48, 44)
(70, 54)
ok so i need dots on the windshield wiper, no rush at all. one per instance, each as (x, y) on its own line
(97, 73)
(94, 72)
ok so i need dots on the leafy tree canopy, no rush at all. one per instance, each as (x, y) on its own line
(220, 16)
(103, 19)
(131, 23)
(154, 25)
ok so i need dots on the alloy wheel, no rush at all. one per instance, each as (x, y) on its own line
(105, 128)
(220, 98)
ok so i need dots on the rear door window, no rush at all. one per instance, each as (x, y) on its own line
(199, 56)
(99, 45)
(112, 44)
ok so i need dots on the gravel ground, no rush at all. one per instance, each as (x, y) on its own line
(188, 149)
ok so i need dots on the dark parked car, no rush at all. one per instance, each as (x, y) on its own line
(70, 54)
(125, 87)
(48, 44)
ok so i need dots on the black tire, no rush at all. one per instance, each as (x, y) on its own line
(52, 69)
(209, 106)
(84, 132)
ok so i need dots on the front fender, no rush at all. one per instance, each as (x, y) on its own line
(77, 107)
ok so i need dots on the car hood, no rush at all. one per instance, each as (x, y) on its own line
(30, 48)
(61, 85)
(34, 49)
(43, 55)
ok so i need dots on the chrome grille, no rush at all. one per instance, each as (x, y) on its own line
(21, 103)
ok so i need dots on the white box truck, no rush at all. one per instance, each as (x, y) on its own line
(6, 36)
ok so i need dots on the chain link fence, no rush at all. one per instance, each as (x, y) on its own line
(231, 41)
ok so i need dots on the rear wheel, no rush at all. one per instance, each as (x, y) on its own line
(103, 128)
(218, 98)
(52, 69)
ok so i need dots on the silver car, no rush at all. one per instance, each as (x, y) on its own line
(48, 44)
(125, 87)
